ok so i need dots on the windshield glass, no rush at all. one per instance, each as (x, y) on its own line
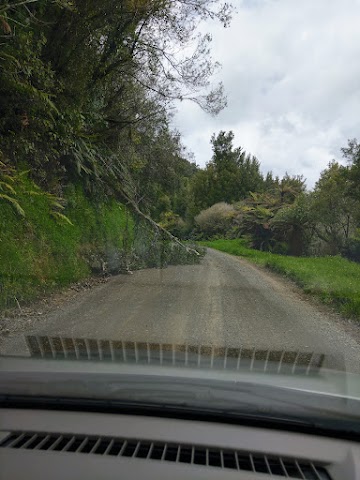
(179, 196)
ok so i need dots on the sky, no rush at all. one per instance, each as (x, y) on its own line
(291, 72)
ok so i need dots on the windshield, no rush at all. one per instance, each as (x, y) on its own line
(179, 191)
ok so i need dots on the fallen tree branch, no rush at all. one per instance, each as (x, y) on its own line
(157, 226)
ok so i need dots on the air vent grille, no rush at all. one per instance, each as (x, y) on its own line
(168, 452)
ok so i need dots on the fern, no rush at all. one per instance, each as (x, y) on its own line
(7, 186)
(61, 216)
(14, 203)
(56, 204)
(42, 96)
(13, 182)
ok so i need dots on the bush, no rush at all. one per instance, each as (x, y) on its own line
(216, 220)
(174, 224)
(351, 249)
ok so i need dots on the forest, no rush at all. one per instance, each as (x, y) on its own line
(231, 198)
(90, 166)
(87, 147)
(87, 90)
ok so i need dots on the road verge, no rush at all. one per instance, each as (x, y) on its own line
(333, 280)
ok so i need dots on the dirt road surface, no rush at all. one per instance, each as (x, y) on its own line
(224, 301)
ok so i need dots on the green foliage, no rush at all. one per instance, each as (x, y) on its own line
(84, 100)
(154, 249)
(352, 154)
(85, 89)
(253, 219)
(351, 249)
(40, 252)
(294, 224)
(14, 183)
(334, 280)
(290, 187)
(8, 192)
(161, 173)
(27, 89)
(271, 219)
(174, 224)
(215, 220)
(230, 176)
(335, 211)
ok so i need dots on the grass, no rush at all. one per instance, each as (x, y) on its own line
(39, 253)
(333, 280)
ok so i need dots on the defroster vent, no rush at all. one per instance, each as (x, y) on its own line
(210, 457)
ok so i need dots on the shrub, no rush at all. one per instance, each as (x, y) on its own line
(351, 249)
(174, 224)
(216, 220)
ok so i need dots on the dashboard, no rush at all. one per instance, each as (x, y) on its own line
(35, 444)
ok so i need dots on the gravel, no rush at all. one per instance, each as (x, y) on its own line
(223, 301)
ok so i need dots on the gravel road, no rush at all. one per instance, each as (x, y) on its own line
(224, 301)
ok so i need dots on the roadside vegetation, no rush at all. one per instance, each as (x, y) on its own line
(91, 173)
(93, 177)
(233, 199)
(312, 237)
(333, 280)
(55, 244)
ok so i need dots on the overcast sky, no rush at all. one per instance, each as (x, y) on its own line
(291, 70)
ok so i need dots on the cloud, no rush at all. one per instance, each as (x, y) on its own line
(291, 73)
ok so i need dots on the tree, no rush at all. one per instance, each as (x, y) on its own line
(223, 169)
(251, 179)
(87, 87)
(290, 187)
(253, 219)
(230, 175)
(352, 154)
(294, 224)
(271, 184)
(275, 219)
(200, 194)
(335, 210)
(136, 44)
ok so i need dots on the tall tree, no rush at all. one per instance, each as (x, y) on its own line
(79, 81)
(230, 175)
(334, 208)
(223, 169)
(352, 154)
(295, 224)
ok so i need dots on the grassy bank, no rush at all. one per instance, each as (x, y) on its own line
(40, 251)
(334, 280)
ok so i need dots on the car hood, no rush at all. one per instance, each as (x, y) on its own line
(286, 387)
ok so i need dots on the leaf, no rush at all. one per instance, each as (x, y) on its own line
(33, 193)
(8, 178)
(8, 187)
(5, 56)
(43, 96)
(58, 205)
(14, 203)
(61, 216)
